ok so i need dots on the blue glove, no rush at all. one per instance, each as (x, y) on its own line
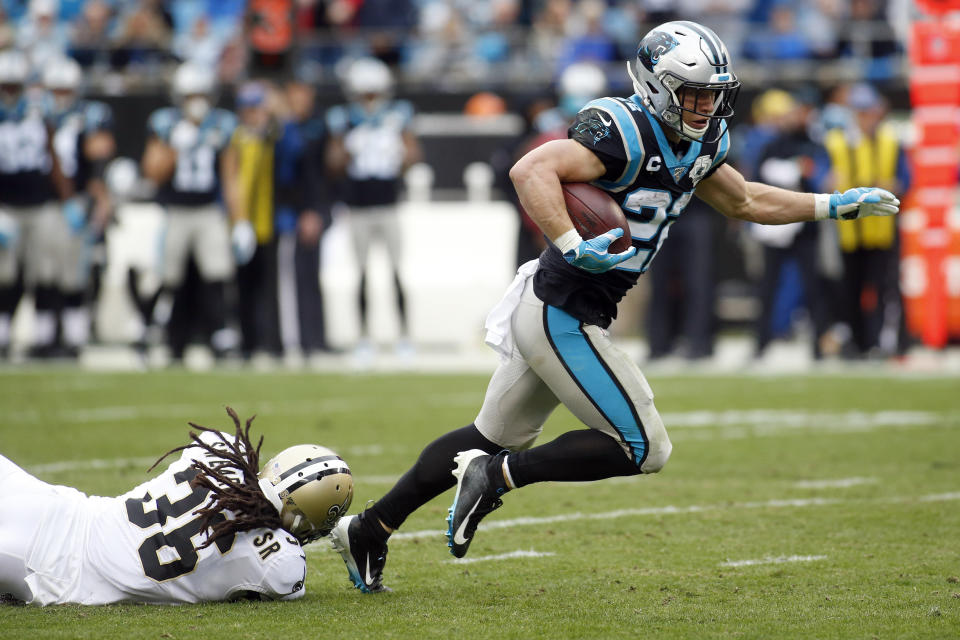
(76, 215)
(591, 255)
(861, 202)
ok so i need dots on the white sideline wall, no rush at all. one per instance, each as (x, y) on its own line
(458, 259)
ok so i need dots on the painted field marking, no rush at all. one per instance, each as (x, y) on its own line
(771, 560)
(187, 411)
(838, 483)
(504, 556)
(674, 510)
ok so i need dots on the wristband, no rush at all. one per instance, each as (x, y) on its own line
(821, 206)
(569, 240)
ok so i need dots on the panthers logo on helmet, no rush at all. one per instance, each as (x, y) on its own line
(653, 46)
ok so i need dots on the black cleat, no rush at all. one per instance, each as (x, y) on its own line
(477, 495)
(364, 557)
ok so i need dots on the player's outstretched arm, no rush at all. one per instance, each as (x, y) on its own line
(729, 193)
(537, 177)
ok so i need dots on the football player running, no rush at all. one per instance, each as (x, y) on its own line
(212, 527)
(651, 152)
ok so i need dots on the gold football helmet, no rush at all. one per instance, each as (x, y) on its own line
(311, 487)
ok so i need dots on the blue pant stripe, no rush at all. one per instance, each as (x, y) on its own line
(592, 375)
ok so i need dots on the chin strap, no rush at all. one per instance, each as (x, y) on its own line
(271, 494)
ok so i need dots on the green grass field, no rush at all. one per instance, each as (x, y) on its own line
(793, 507)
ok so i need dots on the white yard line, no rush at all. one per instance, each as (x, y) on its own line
(84, 465)
(504, 556)
(674, 510)
(189, 411)
(838, 483)
(771, 560)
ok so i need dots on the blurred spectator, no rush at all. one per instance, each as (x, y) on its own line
(200, 45)
(586, 39)
(385, 25)
(143, 35)
(8, 33)
(41, 35)
(872, 307)
(765, 112)
(867, 35)
(548, 34)
(781, 39)
(680, 315)
(90, 36)
(303, 212)
(269, 35)
(791, 160)
(370, 145)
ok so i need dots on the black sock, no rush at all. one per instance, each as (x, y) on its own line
(430, 476)
(575, 456)
(370, 524)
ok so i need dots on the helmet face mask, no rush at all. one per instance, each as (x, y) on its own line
(682, 68)
(311, 487)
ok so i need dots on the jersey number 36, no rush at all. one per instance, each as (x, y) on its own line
(179, 539)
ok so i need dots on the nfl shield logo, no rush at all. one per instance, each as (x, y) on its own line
(678, 173)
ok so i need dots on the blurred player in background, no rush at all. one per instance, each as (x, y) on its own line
(184, 158)
(84, 143)
(370, 144)
(33, 203)
(213, 526)
(650, 152)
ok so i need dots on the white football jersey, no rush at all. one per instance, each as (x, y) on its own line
(142, 547)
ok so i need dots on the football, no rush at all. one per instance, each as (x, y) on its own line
(593, 212)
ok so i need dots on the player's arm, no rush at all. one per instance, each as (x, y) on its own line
(537, 177)
(159, 160)
(62, 184)
(727, 191)
(99, 147)
(412, 152)
(230, 181)
(336, 156)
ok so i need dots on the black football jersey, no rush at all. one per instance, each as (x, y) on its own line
(652, 182)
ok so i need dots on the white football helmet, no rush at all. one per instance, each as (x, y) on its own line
(580, 83)
(63, 74)
(367, 76)
(192, 79)
(681, 57)
(311, 487)
(13, 67)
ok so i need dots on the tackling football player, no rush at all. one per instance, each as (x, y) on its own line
(212, 527)
(651, 152)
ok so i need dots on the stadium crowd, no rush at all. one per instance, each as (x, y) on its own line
(436, 40)
(249, 187)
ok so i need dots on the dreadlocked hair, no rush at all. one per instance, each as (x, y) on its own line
(236, 458)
